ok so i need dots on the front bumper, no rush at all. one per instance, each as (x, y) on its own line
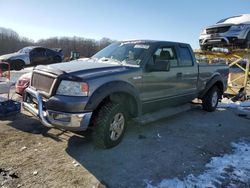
(223, 39)
(51, 118)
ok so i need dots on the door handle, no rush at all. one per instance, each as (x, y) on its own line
(179, 75)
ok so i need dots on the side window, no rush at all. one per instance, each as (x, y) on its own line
(39, 52)
(186, 57)
(166, 54)
(49, 53)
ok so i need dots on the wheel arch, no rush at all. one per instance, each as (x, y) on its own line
(215, 81)
(118, 91)
(247, 32)
(13, 63)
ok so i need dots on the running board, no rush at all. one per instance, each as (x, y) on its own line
(164, 113)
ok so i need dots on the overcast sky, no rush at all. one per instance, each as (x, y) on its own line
(178, 20)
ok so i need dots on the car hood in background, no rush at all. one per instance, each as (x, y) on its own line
(219, 25)
(12, 55)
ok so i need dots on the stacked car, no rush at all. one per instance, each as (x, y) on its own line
(232, 32)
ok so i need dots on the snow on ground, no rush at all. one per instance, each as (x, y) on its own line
(14, 75)
(230, 170)
(228, 103)
(240, 108)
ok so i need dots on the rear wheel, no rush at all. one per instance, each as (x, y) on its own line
(211, 99)
(110, 125)
(206, 48)
(17, 65)
(246, 43)
(57, 59)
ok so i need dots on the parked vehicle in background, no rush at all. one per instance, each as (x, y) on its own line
(124, 80)
(229, 32)
(22, 83)
(32, 55)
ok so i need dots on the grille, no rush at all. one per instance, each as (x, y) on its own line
(218, 30)
(42, 82)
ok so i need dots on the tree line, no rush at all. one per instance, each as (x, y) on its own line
(11, 42)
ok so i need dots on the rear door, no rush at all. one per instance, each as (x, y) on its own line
(38, 56)
(187, 72)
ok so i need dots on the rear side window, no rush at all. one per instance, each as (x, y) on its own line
(186, 57)
(166, 54)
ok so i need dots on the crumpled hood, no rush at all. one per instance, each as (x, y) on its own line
(12, 55)
(87, 68)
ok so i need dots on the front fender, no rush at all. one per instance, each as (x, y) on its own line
(113, 87)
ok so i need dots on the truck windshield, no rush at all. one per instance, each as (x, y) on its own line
(125, 53)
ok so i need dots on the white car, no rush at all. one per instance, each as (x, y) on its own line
(233, 32)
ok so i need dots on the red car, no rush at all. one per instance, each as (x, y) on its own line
(22, 83)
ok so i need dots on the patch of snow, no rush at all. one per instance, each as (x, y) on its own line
(228, 103)
(245, 103)
(231, 170)
(15, 75)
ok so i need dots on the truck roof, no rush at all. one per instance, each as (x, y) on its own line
(153, 41)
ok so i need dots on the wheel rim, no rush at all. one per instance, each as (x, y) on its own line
(117, 126)
(214, 99)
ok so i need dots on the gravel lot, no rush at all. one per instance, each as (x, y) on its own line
(34, 156)
(180, 150)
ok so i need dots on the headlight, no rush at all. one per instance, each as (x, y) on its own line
(72, 88)
(203, 32)
(238, 27)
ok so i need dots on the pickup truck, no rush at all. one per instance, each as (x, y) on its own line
(124, 80)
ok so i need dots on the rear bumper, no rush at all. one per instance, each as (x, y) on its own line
(51, 118)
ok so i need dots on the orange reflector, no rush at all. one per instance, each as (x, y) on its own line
(84, 88)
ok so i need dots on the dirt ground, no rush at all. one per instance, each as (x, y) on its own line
(35, 156)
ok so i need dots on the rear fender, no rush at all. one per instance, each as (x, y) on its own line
(214, 81)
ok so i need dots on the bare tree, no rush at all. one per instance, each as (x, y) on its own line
(11, 42)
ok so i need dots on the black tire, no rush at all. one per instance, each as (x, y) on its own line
(209, 101)
(247, 42)
(17, 65)
(101, 133)
(206, 48)
(57, 59)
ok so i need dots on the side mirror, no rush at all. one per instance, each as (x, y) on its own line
(159, 65)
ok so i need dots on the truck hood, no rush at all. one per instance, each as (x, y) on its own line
(12, 56)
(87, 68)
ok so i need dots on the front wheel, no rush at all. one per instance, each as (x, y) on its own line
(247, 43)
(211, 99)
(110, 124)
(17, 65)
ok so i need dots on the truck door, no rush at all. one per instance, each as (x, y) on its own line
(187, 72)
(38, 56)
(161, 87)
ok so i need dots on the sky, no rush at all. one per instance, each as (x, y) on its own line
(178, 20)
